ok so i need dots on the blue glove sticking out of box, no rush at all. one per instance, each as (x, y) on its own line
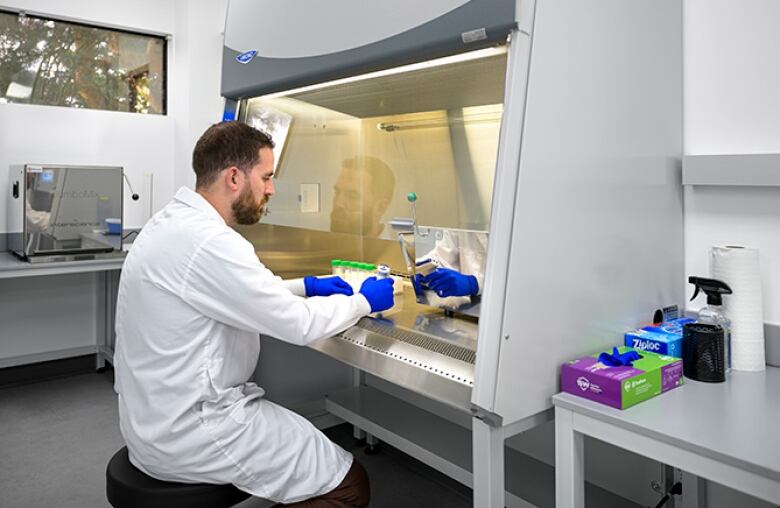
(617, 359)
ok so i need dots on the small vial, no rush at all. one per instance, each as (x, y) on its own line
(365, 272)
(353, 276)
(382, 272)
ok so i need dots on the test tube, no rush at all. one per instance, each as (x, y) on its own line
(352, 275)
(364, 272)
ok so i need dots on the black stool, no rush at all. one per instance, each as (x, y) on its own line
(127, 487)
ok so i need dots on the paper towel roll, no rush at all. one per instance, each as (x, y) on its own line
(739, 268)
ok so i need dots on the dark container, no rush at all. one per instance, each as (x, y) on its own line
(704, 352)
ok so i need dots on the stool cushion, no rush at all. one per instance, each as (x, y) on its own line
(127, 487)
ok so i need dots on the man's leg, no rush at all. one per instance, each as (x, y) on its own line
(352, 492)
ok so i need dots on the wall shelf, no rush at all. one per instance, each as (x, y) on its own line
(743, 170)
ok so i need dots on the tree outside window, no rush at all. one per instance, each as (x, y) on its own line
(58, 63)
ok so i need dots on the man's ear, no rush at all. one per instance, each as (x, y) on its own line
(232, 177)
(380, 207)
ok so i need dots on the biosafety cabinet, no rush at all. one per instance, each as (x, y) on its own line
(537, 143)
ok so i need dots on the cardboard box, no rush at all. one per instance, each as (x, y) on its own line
(622, 387)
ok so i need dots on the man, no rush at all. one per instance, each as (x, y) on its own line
(363, 191)
(193, 298)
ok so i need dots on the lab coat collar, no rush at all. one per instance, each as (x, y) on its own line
(191, 198)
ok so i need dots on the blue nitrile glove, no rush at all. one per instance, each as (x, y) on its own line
(417, 284)
(326, 286)
(447, 282)
(378, 292)
(616, 359)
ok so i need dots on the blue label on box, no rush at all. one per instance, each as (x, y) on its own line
(672, 327)
(661, 343)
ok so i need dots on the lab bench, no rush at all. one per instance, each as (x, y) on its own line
(107, 273)
(724, 432)
(442, 439)
(13, 267)
(414, 372)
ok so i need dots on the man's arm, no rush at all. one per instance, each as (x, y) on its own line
(294, 286)
(227, 282)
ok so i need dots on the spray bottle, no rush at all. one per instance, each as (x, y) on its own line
(713, 313)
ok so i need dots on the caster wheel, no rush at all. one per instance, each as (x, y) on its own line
(372, 449)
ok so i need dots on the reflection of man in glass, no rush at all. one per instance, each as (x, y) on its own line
(37, 220)
(362, 193)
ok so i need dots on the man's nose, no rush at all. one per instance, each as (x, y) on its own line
(270, 190)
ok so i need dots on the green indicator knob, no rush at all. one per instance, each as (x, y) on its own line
(411, 197)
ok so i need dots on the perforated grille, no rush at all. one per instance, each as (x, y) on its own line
(420, 340)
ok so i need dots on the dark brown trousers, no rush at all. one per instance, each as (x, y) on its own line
(352, 492)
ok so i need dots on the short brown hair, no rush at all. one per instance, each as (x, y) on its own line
(227, 144)
(382, 182)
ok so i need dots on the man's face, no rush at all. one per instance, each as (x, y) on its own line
(258, 187)
(353, 204)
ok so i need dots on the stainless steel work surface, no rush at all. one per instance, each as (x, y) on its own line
(414, 346)
(11, 266)
(407, 314)
(733, 422)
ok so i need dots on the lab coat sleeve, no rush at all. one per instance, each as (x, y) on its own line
(445, 252)
(227, 282)
(476, 252)
(37, 220)
(295, 286)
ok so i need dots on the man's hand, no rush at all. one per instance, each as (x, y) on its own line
(446, 282)
(326, 286)
(378, 292)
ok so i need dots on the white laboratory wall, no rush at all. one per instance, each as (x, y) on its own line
(731, 105)
(199, 29)
(47, 134)
(142, 144)
(56, 135)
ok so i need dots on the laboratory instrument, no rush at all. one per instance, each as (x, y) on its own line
(64, 213)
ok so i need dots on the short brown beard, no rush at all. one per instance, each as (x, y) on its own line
(246, 211)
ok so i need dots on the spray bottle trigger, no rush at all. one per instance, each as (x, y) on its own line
(695, 293)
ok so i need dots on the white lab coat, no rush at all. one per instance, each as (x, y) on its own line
(193, 298)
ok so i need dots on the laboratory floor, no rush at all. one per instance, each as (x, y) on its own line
(56, 437)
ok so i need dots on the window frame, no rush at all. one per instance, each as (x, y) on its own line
(164, 37)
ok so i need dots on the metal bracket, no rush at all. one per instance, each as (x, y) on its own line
(486, 416)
